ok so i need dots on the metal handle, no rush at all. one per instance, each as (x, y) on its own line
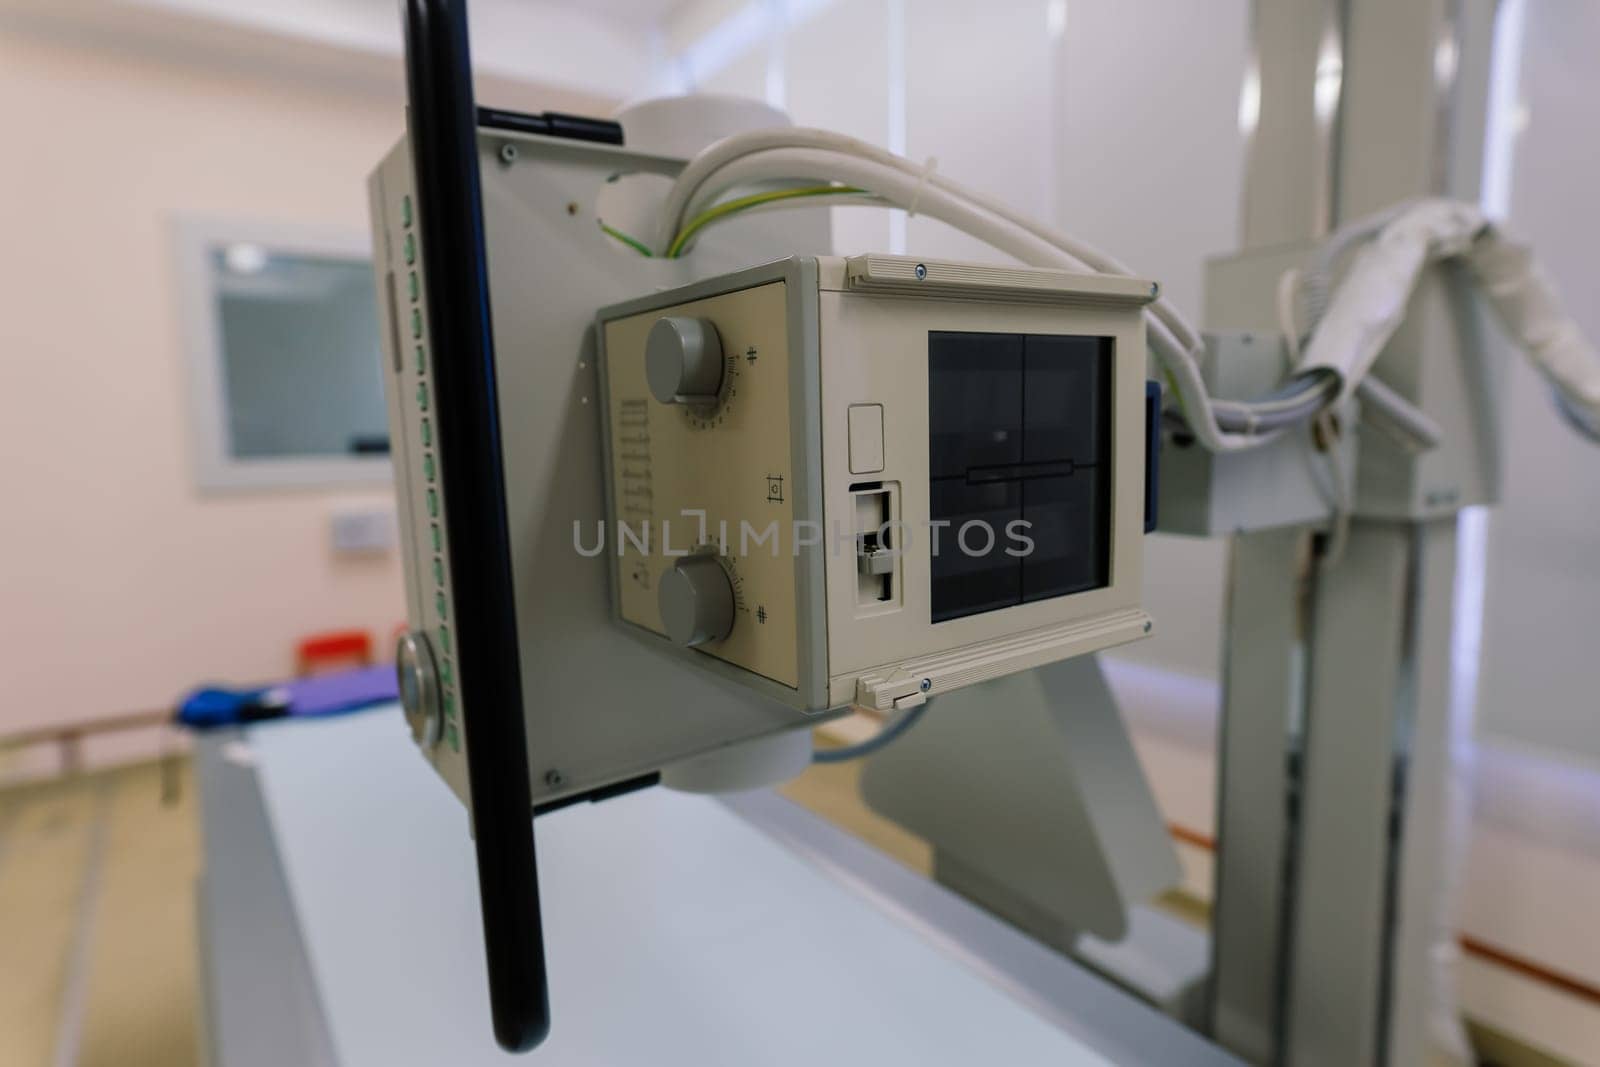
(444, 152)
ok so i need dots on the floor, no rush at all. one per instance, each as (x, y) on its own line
(96, 911)
(96, 914)
(97, 921)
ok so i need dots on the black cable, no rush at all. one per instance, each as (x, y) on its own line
(882, 738)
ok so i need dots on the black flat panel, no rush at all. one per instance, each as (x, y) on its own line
(1019, 428)
(974, 401)
(444, 151)
(1068, 520)
(986, 578)
(1067, 399)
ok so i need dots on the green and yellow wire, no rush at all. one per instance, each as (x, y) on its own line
(730, 207)
(723, 210)
(632, 242)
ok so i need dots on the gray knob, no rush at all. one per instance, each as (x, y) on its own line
(683, 361)
(696, 601)
(419, 687)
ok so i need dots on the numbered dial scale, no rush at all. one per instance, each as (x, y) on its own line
(703, 478)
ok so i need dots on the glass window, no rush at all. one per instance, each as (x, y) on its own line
(283, 331)
(300, 354)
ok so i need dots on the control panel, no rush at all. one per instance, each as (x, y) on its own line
(703, 478)
(425, 656)
(872, 480)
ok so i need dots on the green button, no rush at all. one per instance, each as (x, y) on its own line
(422, 397)
(411, 248)
(439, 602)
(413, 287)
(433, 503)
(427, 467)
(449, 705)
(405, 211)
(436, 538)
(438, 570)
(416, 322)
(422, 361)
(444, 671)
(455, 737)
(444, 639)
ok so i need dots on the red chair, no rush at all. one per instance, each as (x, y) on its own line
(333, 650)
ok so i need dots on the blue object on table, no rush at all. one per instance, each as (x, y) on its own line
(322, 694)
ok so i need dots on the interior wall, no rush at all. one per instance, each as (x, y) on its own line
(854, 98)
(124, 585)
(1537, 680)
(1150, 167)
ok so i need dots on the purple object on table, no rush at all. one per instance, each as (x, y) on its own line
(326, 694)
(322, 694)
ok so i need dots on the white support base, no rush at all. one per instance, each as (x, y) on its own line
(1033, 781)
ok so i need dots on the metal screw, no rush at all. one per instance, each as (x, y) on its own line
(1147, 627)
(508, 154)
(921, 271)
(927, 684)
(1155, 290)
(554, 778)
(572, 208)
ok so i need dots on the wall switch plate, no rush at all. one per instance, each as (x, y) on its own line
(365, 532)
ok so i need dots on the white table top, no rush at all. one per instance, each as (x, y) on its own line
(676, 930)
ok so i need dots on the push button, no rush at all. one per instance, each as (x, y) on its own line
(866, 438)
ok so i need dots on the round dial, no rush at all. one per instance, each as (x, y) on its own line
(696, 601)
(419, 687)
(683, 361)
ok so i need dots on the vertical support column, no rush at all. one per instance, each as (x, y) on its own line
(1260, 723)
(1360, 701)
(1294, 88)
(1431, 825)
(1329, 869)
(1372, 829)
(1296, 79)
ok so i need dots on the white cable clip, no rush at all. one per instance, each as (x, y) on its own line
(922, 180)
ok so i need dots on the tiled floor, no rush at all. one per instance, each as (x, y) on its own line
(97, 949)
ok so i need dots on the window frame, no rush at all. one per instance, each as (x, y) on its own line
(216, 468)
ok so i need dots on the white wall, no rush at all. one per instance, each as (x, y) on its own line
(122, 585)
(1150, 165)
(979, 101)
(853, 98)
(600, 47)
(1538, 685)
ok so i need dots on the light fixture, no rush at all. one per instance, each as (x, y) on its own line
(244, 257)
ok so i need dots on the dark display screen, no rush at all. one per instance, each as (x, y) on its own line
(1019, 448)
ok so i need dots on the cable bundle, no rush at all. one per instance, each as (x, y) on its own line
(1349, 325)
